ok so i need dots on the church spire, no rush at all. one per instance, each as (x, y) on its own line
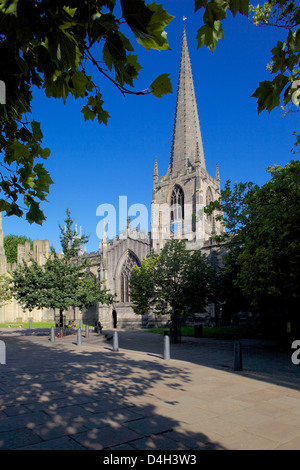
(187, 145)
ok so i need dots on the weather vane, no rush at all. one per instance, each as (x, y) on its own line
(184, 18)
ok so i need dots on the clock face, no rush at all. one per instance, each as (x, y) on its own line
(175, 227)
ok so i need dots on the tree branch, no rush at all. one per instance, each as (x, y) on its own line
(122, 89)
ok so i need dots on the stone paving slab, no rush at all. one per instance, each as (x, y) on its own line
(62, 396)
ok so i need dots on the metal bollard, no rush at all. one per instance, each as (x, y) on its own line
(237, 356)
(115, 341)
(80, 324)
(166, 347)
(86, 331)
(79, 339)
(52, 334)
(2, 352)
(30, 324)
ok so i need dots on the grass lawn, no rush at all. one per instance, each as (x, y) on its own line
(242, 331)
(34, 325)
(26, 324)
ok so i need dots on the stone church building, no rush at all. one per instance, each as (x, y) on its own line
(178, 199)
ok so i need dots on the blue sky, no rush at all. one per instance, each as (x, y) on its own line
(94, 164)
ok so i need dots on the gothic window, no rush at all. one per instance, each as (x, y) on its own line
(130, 262)
(209, 198)
(177, 204)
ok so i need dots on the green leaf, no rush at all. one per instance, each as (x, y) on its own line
(94, 108)
(199, 4)
(215, 11)
(35, 214)
(161, 85)
(241, 6)
(88, 113)
(79, 82)
(36, 130)
(268, 93)
(209, 36)
(107, 57)
(129, 72)
(45, 153)
(279, 57)
(297, 39)
(102, 26)
(71, 11)
(147, 23)
(17, 152)
(127, 44)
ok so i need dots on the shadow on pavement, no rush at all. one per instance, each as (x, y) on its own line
(55, 398)
(261, 359)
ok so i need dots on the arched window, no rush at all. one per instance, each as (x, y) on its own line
(177, 204)
(209, 199)
(129, 263)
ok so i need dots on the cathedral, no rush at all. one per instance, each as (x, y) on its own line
(177, 211)
(178, 200)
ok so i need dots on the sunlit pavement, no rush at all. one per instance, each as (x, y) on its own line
(65, 395)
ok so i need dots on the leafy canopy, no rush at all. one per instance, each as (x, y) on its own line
(263, 233)
(11, 243)
(176, 280)
(51, 45)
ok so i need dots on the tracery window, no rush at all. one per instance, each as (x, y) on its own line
(130, 262)
(177, 204)
(177, 210)
(209, 199)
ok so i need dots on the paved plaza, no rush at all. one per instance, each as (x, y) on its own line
(66, 396)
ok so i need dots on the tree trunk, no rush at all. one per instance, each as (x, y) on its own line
(175, 324)
(61, 322)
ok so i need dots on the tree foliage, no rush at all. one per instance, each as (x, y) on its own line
(61, 282)
(11, 243)
(263, 230)
(51, 45)
(5, 289)
(176, 282)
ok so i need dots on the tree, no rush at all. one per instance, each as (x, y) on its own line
(71, 242)
(5, 290)
(142, 285)
(263, 230)
(175, 282)
(52, 45)
(11, 243)
(284, 66)
(60, 283)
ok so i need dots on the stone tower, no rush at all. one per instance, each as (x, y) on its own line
(179, 196)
